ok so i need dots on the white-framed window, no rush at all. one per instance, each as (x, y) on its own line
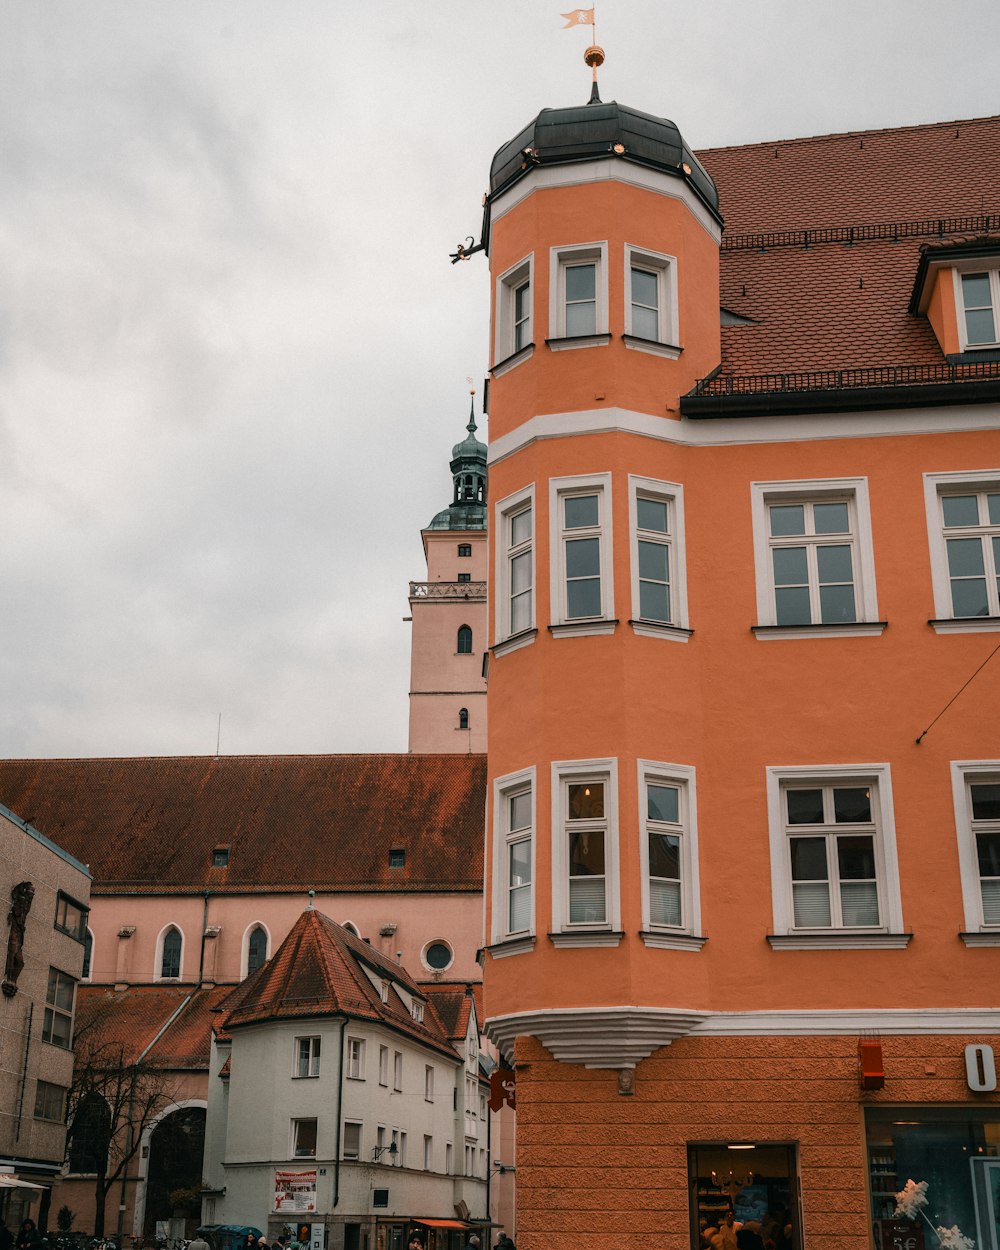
(963, 524)
(651, 301)
(814, 558)
(470, 1159)
(482, 1106)
(428, 1083)
(976, 792)
(303, 1143)
(581, 545)
(578, 295)
(585, 853)
(668, 851)
(169, 953)
(514, 321)
(417, 1011)
(383, 1066)
(352, 1139)
(397, 1071)
(514, 857)
(428, 1153)
(356, 1058)
(834, 875)
(978, 297)
(383, 989)
(449, 1158)
(398, 1156)
(659, 569)
(256, 947)
(515, 565)
(306, 1057)
(71, 917)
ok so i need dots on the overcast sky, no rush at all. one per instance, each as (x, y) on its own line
(232, 349)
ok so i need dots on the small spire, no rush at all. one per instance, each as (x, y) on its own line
(595, 95)
(472, 427)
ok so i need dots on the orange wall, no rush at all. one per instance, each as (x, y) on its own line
(596, 1168)
(731, 705)
(942, 313)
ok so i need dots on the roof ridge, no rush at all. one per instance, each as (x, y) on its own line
(849, 134)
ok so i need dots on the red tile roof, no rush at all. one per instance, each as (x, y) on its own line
(291, 821)
(841, 305)
(167, 1026)
(451, 1004)
(319, 970)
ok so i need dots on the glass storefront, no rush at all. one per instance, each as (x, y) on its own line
(955, 1150)
(750, 1185)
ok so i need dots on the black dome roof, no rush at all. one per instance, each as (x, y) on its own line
(590, 132)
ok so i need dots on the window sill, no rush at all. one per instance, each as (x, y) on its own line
(514, 643)
(587, 937)
(653, 346)
(310, 1076)
(512, 361)
(512, 946)
(983, 937)
(570, 342)
(660, 629)
(855, 629)
(843, 940)
(966, 625)
(664, 940)
(583, 629)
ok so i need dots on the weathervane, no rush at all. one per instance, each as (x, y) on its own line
(594, 55)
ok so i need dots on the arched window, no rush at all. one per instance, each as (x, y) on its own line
(256, 949)
(463, 718)
(170, 959)
(88, 955)
(464, 640)
(351, 927)
(89, 1135)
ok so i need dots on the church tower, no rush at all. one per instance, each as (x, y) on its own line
(448, 610)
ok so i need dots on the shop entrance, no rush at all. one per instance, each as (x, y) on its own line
(743, 1193)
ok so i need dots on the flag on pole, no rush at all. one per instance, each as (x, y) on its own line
(579, 17)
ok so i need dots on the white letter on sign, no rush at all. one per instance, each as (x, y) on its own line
(980, 1069)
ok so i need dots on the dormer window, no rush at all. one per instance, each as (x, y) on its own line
(981, 304)
(220, 857)
(397, 857)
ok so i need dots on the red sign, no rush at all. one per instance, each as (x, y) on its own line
(901, 1235)
(502, 1089)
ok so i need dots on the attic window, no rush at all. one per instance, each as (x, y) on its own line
(397, 858)
(383, 991)
(220, 857)
(417, 1011)
(981, 302)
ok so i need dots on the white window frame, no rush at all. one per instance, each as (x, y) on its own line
(312, 1059)
(359, 1125)
(88, 963)
(664, 267)
(449, 1158)
(853, 490)
(505, 788)
(936, 486)
(965, 269)
(397, 1071)
(428, 1153)
(158, 961)
(383, 1066)
(561, 259)
(560, 489)
(54, 1011)
(428, 1082)
(671, 494)
(574, 933)
(687, 935)
(245, 946)
(504, 553)
(506, 354)
(355, 1058)
(890, 932)
(965, 773)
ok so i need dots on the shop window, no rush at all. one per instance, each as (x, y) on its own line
(738, 1183)
(835, 880)
(814, 559)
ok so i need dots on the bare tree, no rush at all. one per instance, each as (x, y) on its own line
(113, 1101)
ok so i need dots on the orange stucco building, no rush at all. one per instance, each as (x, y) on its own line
(745, 550)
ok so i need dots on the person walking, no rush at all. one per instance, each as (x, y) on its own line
(198, 1243)
(28, 1237)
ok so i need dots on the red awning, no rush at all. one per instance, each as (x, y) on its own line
(443, 1223)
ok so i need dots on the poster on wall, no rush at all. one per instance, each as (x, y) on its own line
(295, 1192)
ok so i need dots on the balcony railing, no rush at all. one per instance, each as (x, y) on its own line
(931, 227)
(459, 591)
(847, 379)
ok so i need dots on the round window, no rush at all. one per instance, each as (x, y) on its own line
(438, 956)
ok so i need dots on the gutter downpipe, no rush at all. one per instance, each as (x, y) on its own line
(340, 1105)
(204, 926)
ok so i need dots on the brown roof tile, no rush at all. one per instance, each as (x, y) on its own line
(167, 1026)
(290, 821)
(838, 305)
